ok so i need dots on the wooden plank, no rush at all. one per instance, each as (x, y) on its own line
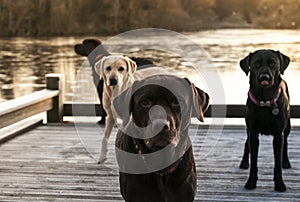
(215, 110)
(295, 111)
(19, 128)
(50, 163)
(82, 109)
(26, 100)
(229, 111)
(23, 107)
(21, 114)
(56, 82)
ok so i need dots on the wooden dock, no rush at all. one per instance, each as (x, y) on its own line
(56, 161)
(50, 163)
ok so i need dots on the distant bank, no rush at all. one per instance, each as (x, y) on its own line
(107, 17)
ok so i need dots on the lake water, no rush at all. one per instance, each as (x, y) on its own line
(25, 61)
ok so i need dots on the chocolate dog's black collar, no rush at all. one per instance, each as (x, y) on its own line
(138, 149)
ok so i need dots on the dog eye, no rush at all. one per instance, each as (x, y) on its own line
(175, 103)
(257, 64)
(271, 63)
(108, 68)
(145, 103)
(121, 69)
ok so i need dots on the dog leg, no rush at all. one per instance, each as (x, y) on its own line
(278, 147)
(104, 150)
(108, 128)
(285, 159)
(245, 161)
(99, 86)
(253, 146)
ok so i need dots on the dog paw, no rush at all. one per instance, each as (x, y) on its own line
(251, 184)
(244, 165)
(286, 164)
(280, 186)
(102, 159)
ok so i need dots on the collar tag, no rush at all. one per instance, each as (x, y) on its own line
(265, 104)
(275, 111)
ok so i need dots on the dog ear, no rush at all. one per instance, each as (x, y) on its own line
(284, 61)
(204, 99)
(99, 66)
(200, 102)
(245, 64)
(130, 64)
(87, 46)
(79, 50)
(90, 45)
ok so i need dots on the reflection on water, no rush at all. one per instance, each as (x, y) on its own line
(25, 61)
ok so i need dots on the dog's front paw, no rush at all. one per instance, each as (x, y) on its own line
(102, 159)
(251, 184)
(280, 186)
(286, 164)
(244, 164)
(104, 150)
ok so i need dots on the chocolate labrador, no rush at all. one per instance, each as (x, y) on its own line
(268, 112)
(158, 110)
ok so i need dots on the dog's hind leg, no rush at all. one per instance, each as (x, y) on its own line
(285, 159)
(278, 148)
(108, 129)
(253, 147)
(245, 161)
(100, 95)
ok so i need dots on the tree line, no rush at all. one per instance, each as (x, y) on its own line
(104, 17)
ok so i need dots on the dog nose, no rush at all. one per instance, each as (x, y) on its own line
(113, 81)
(264, 76)
(159, 125)
(264, 79)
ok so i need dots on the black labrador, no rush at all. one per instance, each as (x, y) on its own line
(94, 50)
(267, 112)
(160, 117)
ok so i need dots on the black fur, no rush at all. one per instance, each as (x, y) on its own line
(265, 68)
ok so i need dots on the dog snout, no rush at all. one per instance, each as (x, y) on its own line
(161, 124)
(264, 76)
(265, 79)
(113, 80)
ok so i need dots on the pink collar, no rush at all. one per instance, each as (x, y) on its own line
(267, 103)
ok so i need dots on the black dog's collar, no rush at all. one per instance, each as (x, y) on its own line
(267, 103)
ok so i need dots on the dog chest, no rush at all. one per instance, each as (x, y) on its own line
(265, 121)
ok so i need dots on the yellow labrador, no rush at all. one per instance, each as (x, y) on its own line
(118, 74)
